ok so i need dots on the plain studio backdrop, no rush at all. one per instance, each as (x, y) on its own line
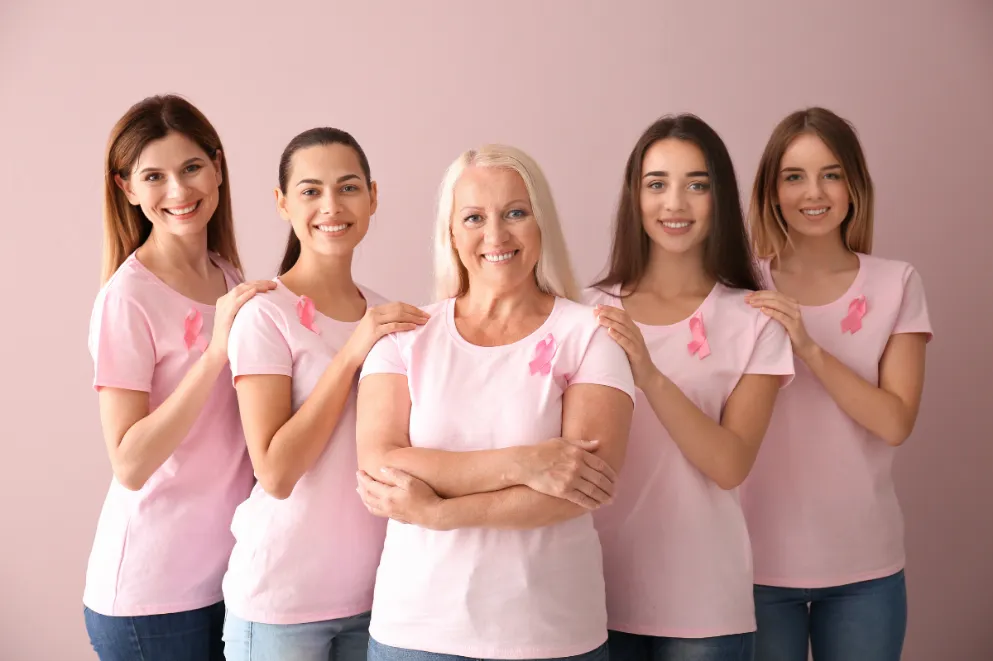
(571, 82)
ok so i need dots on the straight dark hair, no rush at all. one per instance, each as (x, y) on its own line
(316, 137)
(727, 256)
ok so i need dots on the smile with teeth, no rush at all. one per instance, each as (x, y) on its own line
(497, 257)
(330, 229)
(819, 211)
(183, 211)
(676, 224)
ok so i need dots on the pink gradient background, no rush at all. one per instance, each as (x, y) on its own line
(573, 83)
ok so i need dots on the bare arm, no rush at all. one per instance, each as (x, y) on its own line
(588, 411)
(564, 470)
(139, 442)
(890, 410)
(725, 451)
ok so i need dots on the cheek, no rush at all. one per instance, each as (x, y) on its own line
(838, 194)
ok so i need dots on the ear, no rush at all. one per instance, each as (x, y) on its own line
(281, 204)
(125, 185)
(373, 198)
(218, 158)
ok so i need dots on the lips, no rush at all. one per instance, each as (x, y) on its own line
(184, 210)
(332, 228)
(500, 257)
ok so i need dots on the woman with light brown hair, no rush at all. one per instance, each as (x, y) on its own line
(823, 516)
(158, 338)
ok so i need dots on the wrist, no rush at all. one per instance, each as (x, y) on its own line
(811, 355)
(656, 381)
(515, 469)
(436, 516)
(214, 359)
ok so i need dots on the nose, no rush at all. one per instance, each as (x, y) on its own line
(176, 189)
(495, 231)
(675, 199)
(814, 188)
(331, 203)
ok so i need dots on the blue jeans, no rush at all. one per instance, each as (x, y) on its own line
(187, 636)
(857, 622)
(343, 639)
(380, 652)
(632, 647)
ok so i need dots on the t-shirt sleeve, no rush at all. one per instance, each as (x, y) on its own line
(384, 358)
(121, 343)
(256, 345)
(913, 314)
(772, 353)
(605, 364)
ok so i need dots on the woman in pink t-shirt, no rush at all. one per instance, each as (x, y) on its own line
(299, 584)
(826, 527)
(158, 337)
(491, 551)
(708, 368)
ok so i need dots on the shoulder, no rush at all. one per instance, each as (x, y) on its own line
(600, 296)
(569, 313)
(886, 271)
(130, 286)
(372, 298)
(267, 306)
(438, 322)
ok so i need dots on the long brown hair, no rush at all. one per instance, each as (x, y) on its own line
(726, 257)
(765, 220)
(125, 226)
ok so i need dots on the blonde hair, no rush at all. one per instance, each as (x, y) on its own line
(553, 272)
(765, 220)
(125, 227)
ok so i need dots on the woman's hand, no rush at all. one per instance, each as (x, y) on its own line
(401, 497)
(225, 311)
(379, 321)
(786, 311)
(626, 333)
(567, 469)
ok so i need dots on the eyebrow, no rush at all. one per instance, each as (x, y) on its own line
(318, 182)
(826, 167)
(663, 173)
(185, 163)
(509, 204)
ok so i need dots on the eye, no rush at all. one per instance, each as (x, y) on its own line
(699, 186)
(155, 176)
(193, 168)
(792, 177)
(517, 214)
(310, 192)
(349, 188)
(473, 219)
(657, 185)
(834, 176)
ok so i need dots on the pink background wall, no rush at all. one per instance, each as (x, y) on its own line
(574, 83)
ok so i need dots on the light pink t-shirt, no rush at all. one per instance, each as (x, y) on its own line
(164, 548)
(312, 556)
(480, 592)
(676, 553)
(820, 502)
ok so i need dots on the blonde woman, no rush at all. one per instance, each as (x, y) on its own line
(489, 434)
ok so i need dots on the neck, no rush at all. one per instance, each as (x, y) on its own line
(672, 275)
(482, 302)
(322, 277)
(182, 254)
(814, 253)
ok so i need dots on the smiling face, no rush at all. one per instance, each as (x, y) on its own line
(811, 189)
(494, 231)
(676, 202)
(327, 199)
(176, 185)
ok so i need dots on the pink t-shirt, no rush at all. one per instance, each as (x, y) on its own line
(480, 592)
(820, 502)
(312, 556)
(164, 548)
(676, 552)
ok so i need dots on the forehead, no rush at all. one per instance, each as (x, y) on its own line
(171, 151)
(674, 156)
(335, 158)
(489, 186)
(808, 149)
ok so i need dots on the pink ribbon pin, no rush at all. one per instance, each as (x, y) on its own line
(856, 310)
(699, 345)
(192, 326)
(543, 352)
(307, 312)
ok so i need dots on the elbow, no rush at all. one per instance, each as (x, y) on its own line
(730, 479)
(130, 478)
(734, 471)
(277, 484)
(897, 434)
